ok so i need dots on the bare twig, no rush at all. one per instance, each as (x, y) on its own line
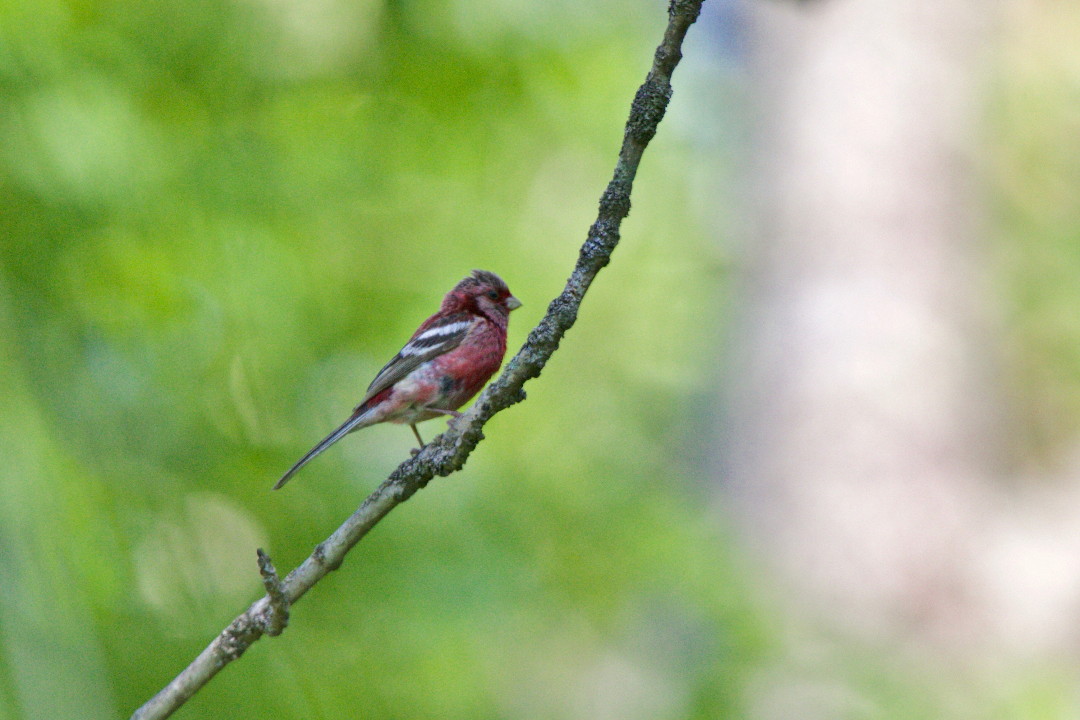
(448, 452)
(278, 617)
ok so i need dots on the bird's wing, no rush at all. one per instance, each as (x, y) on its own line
(439, 335)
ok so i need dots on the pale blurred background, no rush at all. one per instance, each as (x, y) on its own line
(811, 451)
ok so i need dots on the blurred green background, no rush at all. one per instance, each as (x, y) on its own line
(219, 219)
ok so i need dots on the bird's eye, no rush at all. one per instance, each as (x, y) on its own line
(493, 294)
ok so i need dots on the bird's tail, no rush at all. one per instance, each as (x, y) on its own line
(353, 423)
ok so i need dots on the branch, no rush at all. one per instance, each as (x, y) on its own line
(448, 452)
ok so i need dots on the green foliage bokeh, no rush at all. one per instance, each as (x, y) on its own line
(218, 220)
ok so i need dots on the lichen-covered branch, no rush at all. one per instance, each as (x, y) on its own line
(448, 452)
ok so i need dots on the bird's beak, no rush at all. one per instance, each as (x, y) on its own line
(512, 303)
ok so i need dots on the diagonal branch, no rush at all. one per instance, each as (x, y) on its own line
(448, 452)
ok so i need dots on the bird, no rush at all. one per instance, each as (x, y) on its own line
(443, 365)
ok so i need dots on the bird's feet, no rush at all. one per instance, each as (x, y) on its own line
(416, 451)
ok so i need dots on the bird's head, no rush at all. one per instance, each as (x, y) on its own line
(484, 293)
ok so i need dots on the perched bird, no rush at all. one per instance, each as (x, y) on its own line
(446, 361)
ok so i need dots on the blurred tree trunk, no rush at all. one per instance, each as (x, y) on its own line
(863, 424)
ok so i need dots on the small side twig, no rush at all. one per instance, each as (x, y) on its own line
(277, 616)
(448, 452)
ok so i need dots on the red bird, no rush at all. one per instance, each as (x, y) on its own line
(446, 361)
